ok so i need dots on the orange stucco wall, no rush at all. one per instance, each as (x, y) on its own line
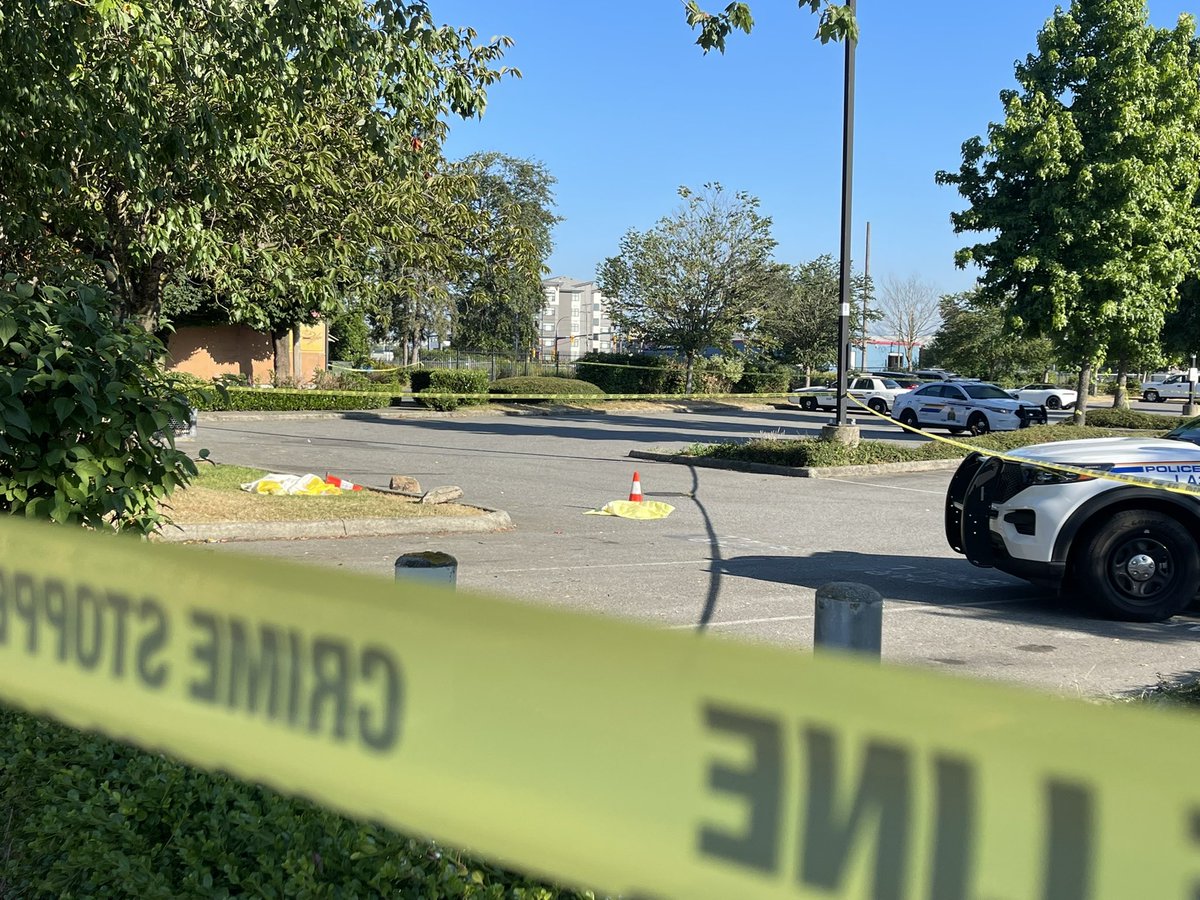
(213, 350)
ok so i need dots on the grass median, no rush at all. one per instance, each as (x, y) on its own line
(216, 495)
(811, 452)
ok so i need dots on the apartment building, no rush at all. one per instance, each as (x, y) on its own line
(573, 320)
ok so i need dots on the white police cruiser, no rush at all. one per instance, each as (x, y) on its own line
(966, 406)
(1132, 550)
(876, 392)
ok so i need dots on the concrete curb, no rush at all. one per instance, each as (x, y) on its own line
(700, 462)
(491, 520)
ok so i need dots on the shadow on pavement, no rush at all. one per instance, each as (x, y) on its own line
(952, 588)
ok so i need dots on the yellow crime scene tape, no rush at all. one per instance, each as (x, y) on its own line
(594, 751)
(1157, 484)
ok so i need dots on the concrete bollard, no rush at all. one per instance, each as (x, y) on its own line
(849, 617)
(428, 565)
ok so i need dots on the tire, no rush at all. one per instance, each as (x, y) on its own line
(1152, 397)
(877, 404)
(978, 424)
(808, 404)
(956, 430)
(1053, 402)
(909, 418)
(1139, 566)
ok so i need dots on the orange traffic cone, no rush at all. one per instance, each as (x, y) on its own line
(635, 492)
(342, 483)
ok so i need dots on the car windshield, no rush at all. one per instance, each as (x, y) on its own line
(1188, 431)
(985, 392)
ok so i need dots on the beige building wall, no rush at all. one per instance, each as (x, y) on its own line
(211, 350)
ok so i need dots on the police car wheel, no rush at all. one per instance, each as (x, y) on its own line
(956, 430)
(978, 424)
(909, 418)
(808, 403)
(878, 405)
(1140, 566)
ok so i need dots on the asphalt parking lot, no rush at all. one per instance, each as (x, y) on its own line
(741, 556)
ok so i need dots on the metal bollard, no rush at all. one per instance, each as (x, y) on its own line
(849, 617)
(428, 565)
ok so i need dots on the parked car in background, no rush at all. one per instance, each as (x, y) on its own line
(878, 393)
(1050, 395)
(935, 374)
(966, 406)
(1174, 387)
(904, 379)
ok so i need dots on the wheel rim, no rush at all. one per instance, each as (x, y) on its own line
(878, 406)
(1141, 569)
(979, 425)
(1152, 396)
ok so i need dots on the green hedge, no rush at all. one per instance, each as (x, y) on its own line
(531, 384)
(631, 373)
(764, 378)
(88, 817)
(448, 381)
(282, 399)
(1130, 418)
(812, 452)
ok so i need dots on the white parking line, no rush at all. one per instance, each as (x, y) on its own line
(891, 610)
(890, 487)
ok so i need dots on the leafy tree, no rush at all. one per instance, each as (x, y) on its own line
(837, 22)
(1087, 187)
(500, 290)
(697, 277)
(973, 338)
(87, 413)
(131, 129)
(909, 310)
(799, 322)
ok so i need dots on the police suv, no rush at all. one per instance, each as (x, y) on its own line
(966, 406)
(1128, 546)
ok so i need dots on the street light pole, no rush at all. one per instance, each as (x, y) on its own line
(847, 196)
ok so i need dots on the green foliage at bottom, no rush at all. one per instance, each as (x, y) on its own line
(449, 381)
(811, 452)
(84, 816)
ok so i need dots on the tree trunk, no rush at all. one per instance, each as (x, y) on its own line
(687, 381)
(282, 343)
(1082, 385)
(1121, 396)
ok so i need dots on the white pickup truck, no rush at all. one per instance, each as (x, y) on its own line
(1174, 387)
(877, 393)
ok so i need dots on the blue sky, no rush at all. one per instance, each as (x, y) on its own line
(622, 108)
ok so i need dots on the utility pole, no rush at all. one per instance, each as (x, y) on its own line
(847, 196)
(866, 295)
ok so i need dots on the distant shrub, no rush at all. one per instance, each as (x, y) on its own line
(349, 338)
(341, 380)
(530, 384)
(716, 374)
(448, 381)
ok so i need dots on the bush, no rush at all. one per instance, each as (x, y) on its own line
(716, 374)
(86, 412)
(1128, 418)
(530, 384)
(283, 400)
(631, 373)
(764, 377)
(1133, 387)
(812, 452)
(88, 817)
(448, 381)
(349, 338)
(341, 380)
